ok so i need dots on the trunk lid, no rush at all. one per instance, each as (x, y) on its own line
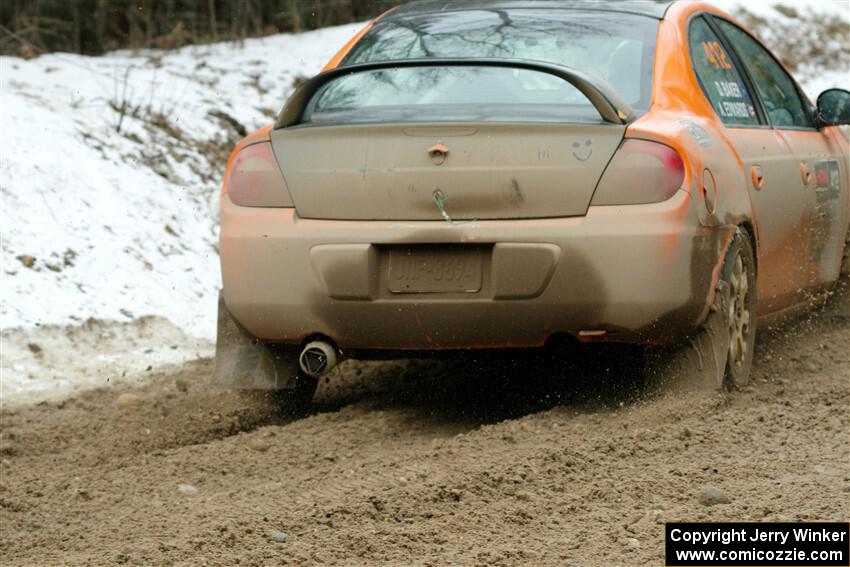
(489, 170)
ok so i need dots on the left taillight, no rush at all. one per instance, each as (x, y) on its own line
(254, 179)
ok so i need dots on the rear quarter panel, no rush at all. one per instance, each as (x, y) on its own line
(682, 117)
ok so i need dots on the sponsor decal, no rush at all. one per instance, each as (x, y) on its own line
(716, 55)
(697, 132)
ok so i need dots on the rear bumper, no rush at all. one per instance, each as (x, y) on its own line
(640, 273)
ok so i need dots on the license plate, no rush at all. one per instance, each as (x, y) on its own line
(435, 270)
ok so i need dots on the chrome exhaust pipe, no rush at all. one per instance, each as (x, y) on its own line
(318, 358)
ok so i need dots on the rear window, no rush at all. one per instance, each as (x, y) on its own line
(616, 48)
(432, 93)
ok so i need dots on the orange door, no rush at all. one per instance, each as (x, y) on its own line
(815, 153)
(781, 216)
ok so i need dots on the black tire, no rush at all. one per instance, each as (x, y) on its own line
(739, 272)
(297, 401)
(719, 356)
(845, 260)
(288, 403)
(293, 400)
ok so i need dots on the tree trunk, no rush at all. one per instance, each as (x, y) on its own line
(213, 21)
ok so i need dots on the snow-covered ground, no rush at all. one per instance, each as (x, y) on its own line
(109, 174)
(120, 222)
(109, 193)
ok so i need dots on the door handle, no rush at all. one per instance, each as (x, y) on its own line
(757, 177)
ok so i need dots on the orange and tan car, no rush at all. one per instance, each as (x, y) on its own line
(505, 174)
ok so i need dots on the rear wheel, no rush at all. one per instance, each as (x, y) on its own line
(739, 272)
(296, 401)
(841, 303)
(296, 397)
(720, 356)
(289, 402)
(265, 373)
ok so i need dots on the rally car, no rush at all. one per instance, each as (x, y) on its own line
(503, 174)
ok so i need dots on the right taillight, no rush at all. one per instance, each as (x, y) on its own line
(253, 178)
(641, 172)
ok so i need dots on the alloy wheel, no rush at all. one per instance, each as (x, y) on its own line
(739, 313)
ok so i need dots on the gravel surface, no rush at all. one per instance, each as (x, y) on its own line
(428, 463)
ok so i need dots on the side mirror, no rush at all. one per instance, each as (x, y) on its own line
(834, 107)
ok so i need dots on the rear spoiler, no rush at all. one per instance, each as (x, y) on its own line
(607, 102)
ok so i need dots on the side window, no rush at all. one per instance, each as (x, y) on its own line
(781, 99)
(720, 80)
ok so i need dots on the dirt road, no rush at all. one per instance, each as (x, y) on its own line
(426, 464)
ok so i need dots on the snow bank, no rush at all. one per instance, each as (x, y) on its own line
(114, 217)
(109, 175)
(56, 360)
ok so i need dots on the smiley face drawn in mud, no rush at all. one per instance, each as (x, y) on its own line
(583, 151)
